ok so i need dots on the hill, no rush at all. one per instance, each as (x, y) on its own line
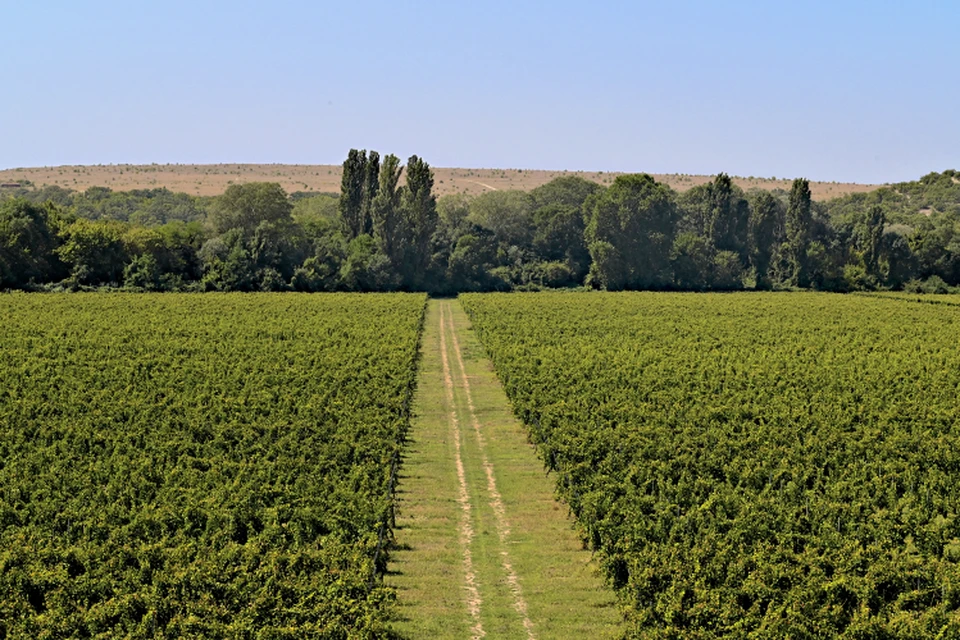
(213, 179)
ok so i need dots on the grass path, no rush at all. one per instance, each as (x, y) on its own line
(484, 550)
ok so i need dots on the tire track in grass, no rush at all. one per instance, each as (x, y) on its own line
(473, 600)
(496, 500)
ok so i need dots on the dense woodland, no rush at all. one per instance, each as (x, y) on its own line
(387, 231)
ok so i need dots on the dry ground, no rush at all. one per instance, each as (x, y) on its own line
(213, 179)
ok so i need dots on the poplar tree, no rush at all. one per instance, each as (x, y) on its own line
(371, 184)
(798, 222)
(388, 229)
(352, 193)
(420, 217)
(727, 216)
(872, 240)
(765, 220)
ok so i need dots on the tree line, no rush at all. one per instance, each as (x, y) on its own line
(386, 230)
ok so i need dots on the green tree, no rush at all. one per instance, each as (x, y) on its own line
(453, 210)
(246, 206)
(143, 272)
(558, 236)
(766, 218)
(727, 271)
(371, 185)
(227, 263)
(692, 259)
(388, 224)
(900, 263)
(508, 214)
(353, 192)
(468, 268)
(366, 268)
(729, 216)
(321, 271)
(28, 243)
(559, 222)
(630, 234)
(798, 223)
(94, 251)
(420, 218)
(872, 240)
(571, 191)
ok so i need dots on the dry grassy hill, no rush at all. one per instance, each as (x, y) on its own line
(213, 179)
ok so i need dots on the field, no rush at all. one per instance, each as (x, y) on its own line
(211, 180)
(749, 465)
(200, 466)
(924, 298)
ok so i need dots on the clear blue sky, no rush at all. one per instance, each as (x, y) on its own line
(864, 91)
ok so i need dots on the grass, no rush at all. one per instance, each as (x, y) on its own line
(211, 180)
(526, 556)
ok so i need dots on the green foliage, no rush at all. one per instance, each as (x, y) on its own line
(366, 268)
(718, 212)
(259, 247)
(506, 214)
(797, 226)
(317, 214)
(227, 263)
(932, 196)
(371, 185)
(147, 207)
(419, 207)
(766, 229)
(389, 226)
(630, 234)
(559, 237)
(468, 267)
(568, 191)
(143, 272)
(692, 261)
(452, 212)
(321, 271)
(28, 243)
(214, 466)
(932, 285)
(757, 466)
(247, 206)
(93, 251)
(870, 240)
(354, 192)
(635, 235)
(727, 271)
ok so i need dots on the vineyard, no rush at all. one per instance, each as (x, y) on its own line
(749, 465)
(200, 466)
(927, 298)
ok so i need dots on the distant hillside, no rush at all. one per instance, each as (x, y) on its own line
(904, 202)
(209, 180)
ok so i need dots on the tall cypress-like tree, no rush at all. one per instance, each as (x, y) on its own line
(872, 240)
(420, 217)
(765, 220)
(388, 228)
(352, 193)
(798, 223)
(727, 218)
(371, 184)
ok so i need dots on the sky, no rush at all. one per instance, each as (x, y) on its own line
(828, 90)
